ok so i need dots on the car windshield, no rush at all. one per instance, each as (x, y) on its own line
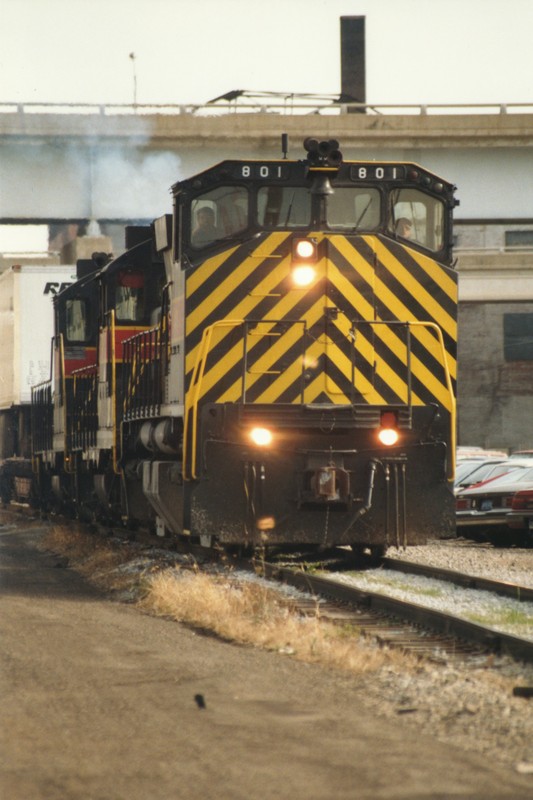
(515, 475)
(466, 468)
(485, 471)
(526, 475)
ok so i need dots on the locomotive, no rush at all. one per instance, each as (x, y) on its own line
(271, 364)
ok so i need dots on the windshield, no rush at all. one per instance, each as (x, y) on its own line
(354, 209)
(417, 217)
(283, 206)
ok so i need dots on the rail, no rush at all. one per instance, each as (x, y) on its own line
(523, 594)
(144, 368)
(253, 103)
(418, 615)
(193, 396)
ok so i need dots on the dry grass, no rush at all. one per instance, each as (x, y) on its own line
(249, 614)
(98, 559)
(238, 611)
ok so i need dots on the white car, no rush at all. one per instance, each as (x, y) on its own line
(486, 506)
(468, 473)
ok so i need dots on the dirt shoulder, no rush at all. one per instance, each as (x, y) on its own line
(102, 701)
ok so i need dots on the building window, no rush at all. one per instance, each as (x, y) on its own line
(519, 240)
(518, 337)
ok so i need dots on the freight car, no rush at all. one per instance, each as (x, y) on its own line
(273, 363)
(26, 329)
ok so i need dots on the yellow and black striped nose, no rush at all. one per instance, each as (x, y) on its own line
(375, 325)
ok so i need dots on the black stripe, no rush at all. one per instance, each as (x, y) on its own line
(421, 277)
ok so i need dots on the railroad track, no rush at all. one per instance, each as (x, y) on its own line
(430, 633)
(504, 588)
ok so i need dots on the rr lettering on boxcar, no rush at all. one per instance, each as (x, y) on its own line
(54, 287)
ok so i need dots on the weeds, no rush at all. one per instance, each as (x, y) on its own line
(240, 611)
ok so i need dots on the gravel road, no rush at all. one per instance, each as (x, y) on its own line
(103, 702)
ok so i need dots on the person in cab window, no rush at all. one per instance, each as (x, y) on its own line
(404, 228)
(205, 230)
(232, 214)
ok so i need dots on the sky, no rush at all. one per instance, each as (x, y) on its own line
(190, 51)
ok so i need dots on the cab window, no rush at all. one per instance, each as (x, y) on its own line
(283, 207)
(77, 320)
(354, 209)
(219, 213)
(417, 217)
(129, 296)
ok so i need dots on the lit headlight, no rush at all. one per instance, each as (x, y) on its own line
(303, 275)
(388, 436)
(262, 437)
(388, 432)
(305, 248)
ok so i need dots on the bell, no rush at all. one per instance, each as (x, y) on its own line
(321, 185)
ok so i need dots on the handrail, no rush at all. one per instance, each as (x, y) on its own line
(192, 397)
(292, 104)
(444, 359)
(113, 355)
(449, 386)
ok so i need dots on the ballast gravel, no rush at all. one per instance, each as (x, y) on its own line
(472, 705)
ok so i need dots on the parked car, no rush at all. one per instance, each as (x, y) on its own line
(484, 507)
(464, 452)
(520, 517)
(469, 473)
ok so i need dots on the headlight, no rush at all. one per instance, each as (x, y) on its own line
(388, 436)
(388, 432)
(262, 437)
(304, 258)
(303, 275)
(304, 248)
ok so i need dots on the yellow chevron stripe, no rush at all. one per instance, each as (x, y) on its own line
(315, 389)
(242, 310)
(232, 282)
(401, 311)
(237, 277)
(283, 309)
(414, 287)
(422, 334)
(437, 274)
(386, 334)
(363, 347)
(265, 362)
(209, 267)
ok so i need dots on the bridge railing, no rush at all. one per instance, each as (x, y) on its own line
(290, 104)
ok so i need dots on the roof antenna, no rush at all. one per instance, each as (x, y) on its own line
(284, 144)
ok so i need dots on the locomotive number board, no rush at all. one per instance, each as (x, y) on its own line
(276, 171)
(377, 172)
(265, 172)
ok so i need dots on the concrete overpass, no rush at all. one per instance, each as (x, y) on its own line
(118, 162)
(115, 165)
